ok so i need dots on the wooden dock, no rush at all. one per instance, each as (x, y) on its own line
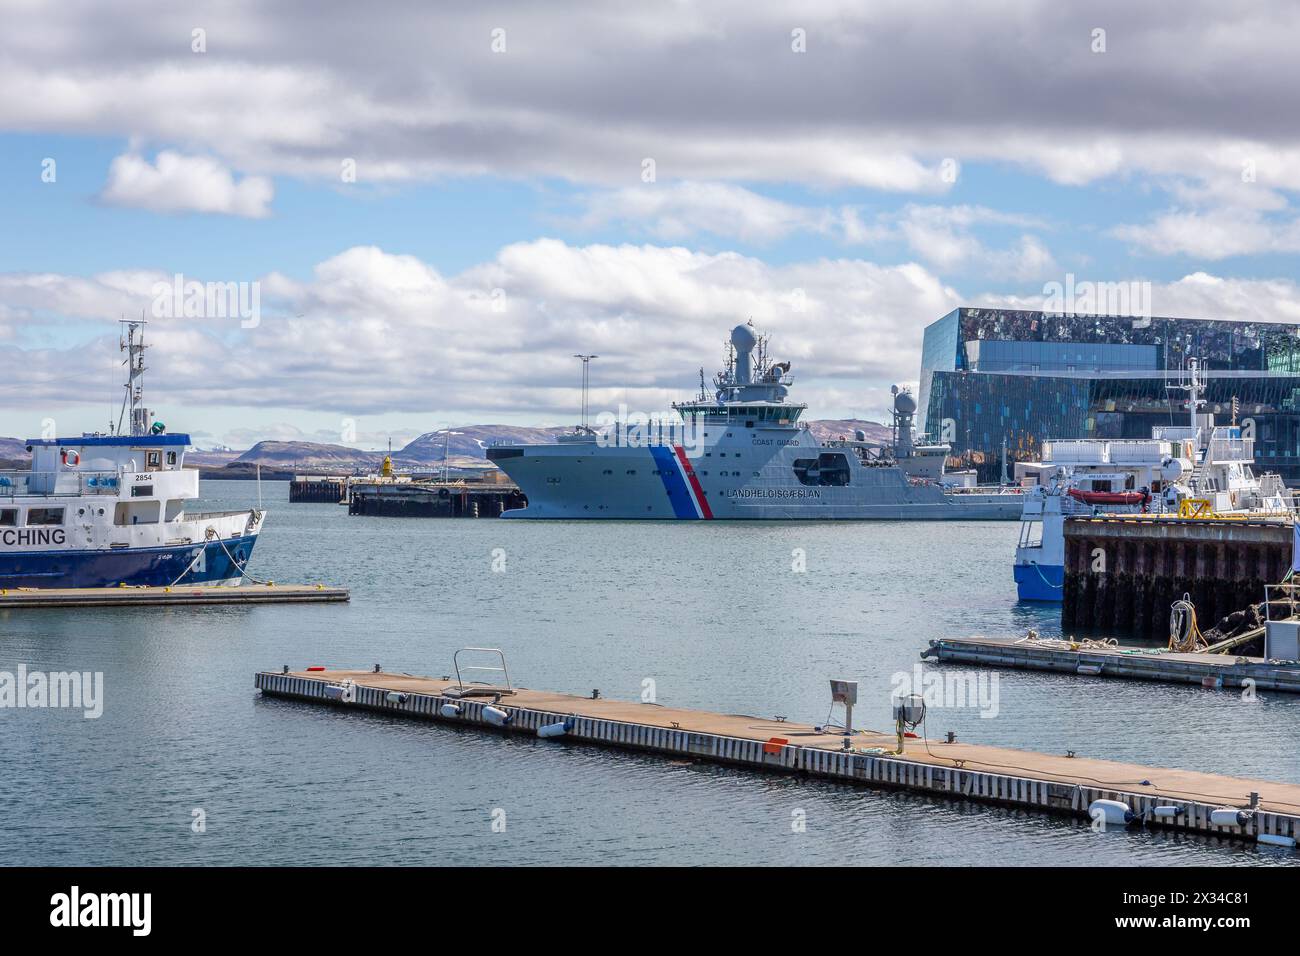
(1062, 784)
(143, 596)
(1089, 659)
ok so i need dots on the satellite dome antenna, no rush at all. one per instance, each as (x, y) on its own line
(743, 341)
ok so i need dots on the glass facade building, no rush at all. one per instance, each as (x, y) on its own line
(995, 375)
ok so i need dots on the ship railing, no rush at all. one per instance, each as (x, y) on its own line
(60, 484)
(1232, 449)
(986, 490)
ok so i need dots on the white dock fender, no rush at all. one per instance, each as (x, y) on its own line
(1111, 812)
(557, 729)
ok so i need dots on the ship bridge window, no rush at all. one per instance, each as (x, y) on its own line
(8, 517)
(44, 516)
(152, 460)
(827, 469)
(171, 458)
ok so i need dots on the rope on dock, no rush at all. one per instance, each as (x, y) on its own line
(1069, 644)
(1184, 635)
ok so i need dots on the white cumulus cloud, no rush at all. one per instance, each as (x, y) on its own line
(175, 183)
(370, 332)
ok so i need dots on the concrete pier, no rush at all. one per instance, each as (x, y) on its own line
(1207, 670)
(1062, 784)
(434, 500)
(1122, 572)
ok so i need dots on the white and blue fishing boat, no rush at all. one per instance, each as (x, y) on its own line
(108, 510)
(1195, 470)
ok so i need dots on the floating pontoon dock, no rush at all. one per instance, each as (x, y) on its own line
(1093, 659)
(139, 596)
(1064, 784)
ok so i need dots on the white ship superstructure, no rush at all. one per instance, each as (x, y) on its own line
(1197, 469)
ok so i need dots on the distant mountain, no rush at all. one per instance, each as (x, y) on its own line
(13, 449)
(469, 442)
(309, 456)
(211, 459)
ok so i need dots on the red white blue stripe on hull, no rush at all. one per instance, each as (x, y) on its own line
(680, 482)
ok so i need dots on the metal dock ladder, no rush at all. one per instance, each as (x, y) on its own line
(480, 688)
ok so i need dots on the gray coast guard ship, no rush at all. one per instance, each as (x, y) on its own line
(109, 510)
(742, 453)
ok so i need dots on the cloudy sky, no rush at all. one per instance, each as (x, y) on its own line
(437, 206)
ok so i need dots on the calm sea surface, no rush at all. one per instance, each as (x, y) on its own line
(713, 614)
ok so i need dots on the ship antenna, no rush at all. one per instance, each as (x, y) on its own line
(134, 398)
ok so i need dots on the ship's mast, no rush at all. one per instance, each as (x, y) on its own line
(132, 343)
(1195, 389)
(1193, 383)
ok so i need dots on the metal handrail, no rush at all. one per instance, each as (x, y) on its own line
(455, 661)
(58, 484)
(1289, 594)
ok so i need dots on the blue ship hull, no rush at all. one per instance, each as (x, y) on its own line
(153, 567)
(1039, 582)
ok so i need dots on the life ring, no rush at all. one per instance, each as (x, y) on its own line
(71, 457)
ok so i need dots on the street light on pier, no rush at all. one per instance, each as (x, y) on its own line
(586, 364)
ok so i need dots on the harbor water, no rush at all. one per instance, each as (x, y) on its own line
(188, 765)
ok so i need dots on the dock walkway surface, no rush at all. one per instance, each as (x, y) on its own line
(1045, 782)
(142, 596)
(1137, 663)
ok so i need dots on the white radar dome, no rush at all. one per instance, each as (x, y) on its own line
(743, 338)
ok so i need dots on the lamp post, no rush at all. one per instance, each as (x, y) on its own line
(586, 364)
(446, 447)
